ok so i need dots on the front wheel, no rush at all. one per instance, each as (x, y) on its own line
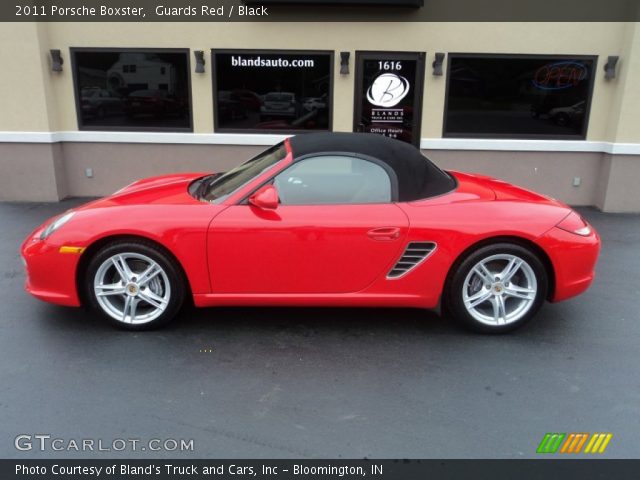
(497, 288)
(135, 285)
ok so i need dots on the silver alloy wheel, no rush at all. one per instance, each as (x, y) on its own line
(132, 288)
(499, 289)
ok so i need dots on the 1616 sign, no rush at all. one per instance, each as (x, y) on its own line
(389, 95)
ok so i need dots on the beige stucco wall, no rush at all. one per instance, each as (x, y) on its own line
(31, 172)
(600, 39)
(115, 165)
(619, 181)
(624, 114)
(22, 96)
(550, 173)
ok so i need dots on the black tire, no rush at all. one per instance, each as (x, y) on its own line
(454, 290)
(173, 272)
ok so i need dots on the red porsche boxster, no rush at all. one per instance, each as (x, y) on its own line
(327, 219)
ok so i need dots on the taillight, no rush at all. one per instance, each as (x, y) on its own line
(574, 223)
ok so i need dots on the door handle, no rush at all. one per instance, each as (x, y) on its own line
(384, 233)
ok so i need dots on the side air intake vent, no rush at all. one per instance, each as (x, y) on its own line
(414, 254)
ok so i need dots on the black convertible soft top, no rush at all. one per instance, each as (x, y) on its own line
(417, 176)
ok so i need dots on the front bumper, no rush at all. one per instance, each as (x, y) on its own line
(51, 275)
(574, 258)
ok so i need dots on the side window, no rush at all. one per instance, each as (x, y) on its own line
(333, 179)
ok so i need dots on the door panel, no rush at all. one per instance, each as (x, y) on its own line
(303, 249)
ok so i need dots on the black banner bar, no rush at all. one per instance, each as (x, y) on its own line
(386, 3)
(320, 469)
(255, 11)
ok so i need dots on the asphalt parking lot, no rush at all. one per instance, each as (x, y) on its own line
(324, 383)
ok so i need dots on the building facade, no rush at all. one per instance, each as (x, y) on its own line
(554, 107)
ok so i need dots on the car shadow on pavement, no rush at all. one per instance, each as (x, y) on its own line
(305, 321)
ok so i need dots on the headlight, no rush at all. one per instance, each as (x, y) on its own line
(56, 224)
(574, 223)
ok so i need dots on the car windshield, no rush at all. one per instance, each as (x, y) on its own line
(222, 186)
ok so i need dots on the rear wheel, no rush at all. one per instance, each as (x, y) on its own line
(497, 288)
(135, 285)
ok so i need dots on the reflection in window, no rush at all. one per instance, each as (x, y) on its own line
(274, 91)
(333, 179)
(518, 96)
(132, 89)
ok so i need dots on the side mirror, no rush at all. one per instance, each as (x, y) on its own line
(265, 197)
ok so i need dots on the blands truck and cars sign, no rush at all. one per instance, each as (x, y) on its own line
(389, 86)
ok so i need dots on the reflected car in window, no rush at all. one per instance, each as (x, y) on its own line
(315, 103)
(279, 104)
(251, 100)
(230, 106)
(324, 219)
(567, 115)
(158, 103)
(99, 102)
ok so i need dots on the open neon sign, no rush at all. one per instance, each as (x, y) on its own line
(560, 75)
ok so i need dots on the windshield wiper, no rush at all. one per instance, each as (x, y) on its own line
(205, 183)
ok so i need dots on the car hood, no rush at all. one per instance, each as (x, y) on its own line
(164, 189)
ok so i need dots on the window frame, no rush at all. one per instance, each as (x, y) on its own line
(521, 136)
(76, 91)
(393, 179)
(230, 51)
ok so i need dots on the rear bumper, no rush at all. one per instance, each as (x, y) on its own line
(50, 274)
(574, 258)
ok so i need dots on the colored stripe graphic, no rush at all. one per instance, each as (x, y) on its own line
(598, 443)
(573, 442)
(550, 442)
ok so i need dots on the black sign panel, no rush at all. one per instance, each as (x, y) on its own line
(384, 3)
(389, 94)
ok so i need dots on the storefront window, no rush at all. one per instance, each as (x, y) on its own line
(132, 89)
(272, 91)
(525, 96)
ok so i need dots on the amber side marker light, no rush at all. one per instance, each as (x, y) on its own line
(67, 249)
